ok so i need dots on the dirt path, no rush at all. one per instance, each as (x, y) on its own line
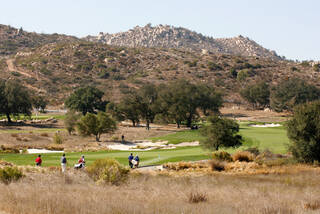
(13, 68)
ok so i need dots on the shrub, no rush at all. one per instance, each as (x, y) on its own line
(303, 131)
(222, 156)
(243, 156)
(197, 197)
(107, 171)
(9, 174)
(217, 165)
(57, 138)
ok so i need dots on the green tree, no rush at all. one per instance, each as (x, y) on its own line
(292, 92)
(145, 98)
(304, 132)
(128, 108)
(220, 132)
(257, 95)
(92, 124)
(71, 120)
(181, 100)
(39, 102)
(114, 110)
(209, 99)
(14, 99)
(86, 99)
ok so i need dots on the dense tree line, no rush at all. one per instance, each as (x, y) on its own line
(281, 97)
(179, 102)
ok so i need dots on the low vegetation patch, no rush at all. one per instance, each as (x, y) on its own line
(222, 155)
(108, 171)
(217, 165)
(9, 174)
(57, 139)
(243, 156)
(197, 197)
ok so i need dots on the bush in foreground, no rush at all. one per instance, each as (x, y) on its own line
(108, 171)
(243, 156)
(217, 165)
(222, 155)
(9, 174)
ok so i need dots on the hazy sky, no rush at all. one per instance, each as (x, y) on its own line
(290, 27)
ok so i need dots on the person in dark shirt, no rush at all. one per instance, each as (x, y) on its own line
(130, 158)
(63, 163)
(137, 159)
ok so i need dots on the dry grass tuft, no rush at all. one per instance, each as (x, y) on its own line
(217, 165)
(14, 135)
(197, 197)
(185, 166)
(44, 134)
(243, 156)
(314, 205)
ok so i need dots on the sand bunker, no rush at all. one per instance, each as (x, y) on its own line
(266, 125)
(148, 145)
(36, 151)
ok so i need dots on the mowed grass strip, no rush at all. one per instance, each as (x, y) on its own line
(147, 157)
(180, 137)
(273, 138)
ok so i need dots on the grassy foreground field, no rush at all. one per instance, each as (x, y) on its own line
(53, 192)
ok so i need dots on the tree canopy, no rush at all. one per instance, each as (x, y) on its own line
(292, 92)
(92, 124)
(304, 132)
(220, 132)
(14, 99)
(257, 95)
(86, 99)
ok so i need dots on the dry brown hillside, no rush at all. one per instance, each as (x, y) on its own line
(58, 68)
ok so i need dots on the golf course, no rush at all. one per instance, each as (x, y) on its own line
(271, 138)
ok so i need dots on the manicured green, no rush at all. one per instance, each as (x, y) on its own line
(272, 138)
(181, 136)
(147, 157)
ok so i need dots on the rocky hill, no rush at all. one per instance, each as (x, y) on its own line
(165, 36)
(57, 69)
(13, 40)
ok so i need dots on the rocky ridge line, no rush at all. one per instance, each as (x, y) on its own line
(165, 36)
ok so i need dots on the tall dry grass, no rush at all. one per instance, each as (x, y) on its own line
(52, 192)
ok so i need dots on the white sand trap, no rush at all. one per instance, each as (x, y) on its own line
(266, 125)
(35, 151)
(148, 145)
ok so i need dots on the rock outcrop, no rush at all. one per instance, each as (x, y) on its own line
(166, 36)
